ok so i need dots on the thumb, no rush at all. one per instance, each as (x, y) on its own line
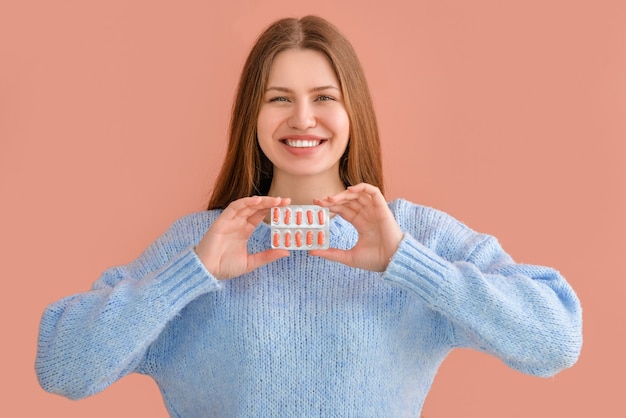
(334, 254)
(265, 257)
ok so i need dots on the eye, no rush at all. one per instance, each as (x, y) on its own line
(279, 99)
(324, 98)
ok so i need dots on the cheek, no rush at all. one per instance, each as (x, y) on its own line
(269, 120)
(261, 121)
(339, 122)
(264, 126)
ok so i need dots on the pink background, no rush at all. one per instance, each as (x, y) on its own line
(509, 115)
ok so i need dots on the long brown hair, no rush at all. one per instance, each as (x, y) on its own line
(246, 170)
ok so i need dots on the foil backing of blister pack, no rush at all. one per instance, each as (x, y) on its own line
(300, 227)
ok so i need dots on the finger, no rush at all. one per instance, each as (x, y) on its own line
(358, 205)
(257, 217)
(271, 201)
(238, 207)
(334, 254)
(261, 202)
(344, 196)
(323, 202)
(248, 206)
(374, 200)
(262, 209)
(334, 199)
(363, 193)
(345, 211)
(265, 257)
(365, 187)
(373, 191)
(337, 200)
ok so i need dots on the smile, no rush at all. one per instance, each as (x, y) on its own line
(302, 143)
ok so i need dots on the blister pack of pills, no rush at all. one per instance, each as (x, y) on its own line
(303, 227)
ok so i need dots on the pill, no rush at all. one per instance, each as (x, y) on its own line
(299, 227)
(287, 216)
(298, 239)
(276, 215)
(320, 238)
(320, 217)
(287, 239)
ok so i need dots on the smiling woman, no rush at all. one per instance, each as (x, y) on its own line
(229, 326)
(246, 169)
(303, 127)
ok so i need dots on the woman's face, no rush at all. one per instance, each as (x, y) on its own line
(303, 126)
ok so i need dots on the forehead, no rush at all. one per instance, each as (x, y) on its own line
(306, 67)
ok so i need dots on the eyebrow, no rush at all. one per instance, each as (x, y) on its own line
(314, 89)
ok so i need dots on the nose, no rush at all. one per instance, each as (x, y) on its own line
(302, 117)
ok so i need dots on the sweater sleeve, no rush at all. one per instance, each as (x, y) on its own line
(526, 315)
(89, 340)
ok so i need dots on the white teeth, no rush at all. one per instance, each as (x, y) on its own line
(302, 143)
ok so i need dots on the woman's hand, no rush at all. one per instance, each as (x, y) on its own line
(223, 249)
(364, 206)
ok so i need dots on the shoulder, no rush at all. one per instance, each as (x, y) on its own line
(436, 229)
(413, 215)
(195, 220)
(190, 228)
(184, 232)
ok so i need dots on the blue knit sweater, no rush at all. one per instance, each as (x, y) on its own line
(304, 336)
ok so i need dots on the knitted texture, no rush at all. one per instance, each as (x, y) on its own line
(304, 336)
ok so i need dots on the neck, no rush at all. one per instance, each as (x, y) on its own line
(303, 189)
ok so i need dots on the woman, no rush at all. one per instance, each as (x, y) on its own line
(228, 326)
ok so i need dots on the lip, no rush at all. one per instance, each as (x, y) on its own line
(302, 151)
(302, 137)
